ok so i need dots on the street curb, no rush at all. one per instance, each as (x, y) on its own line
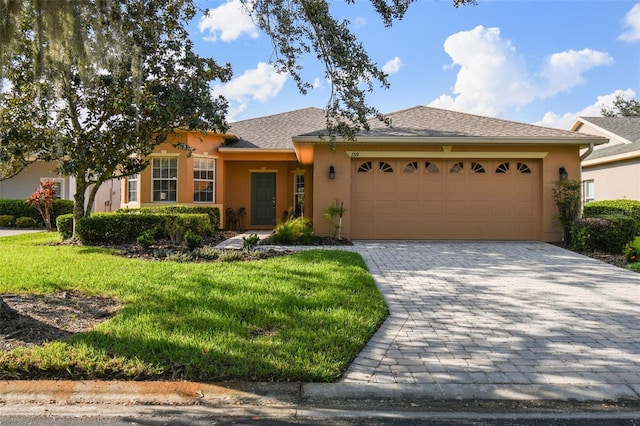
(155, 393)
(461, 392)
(291, 394)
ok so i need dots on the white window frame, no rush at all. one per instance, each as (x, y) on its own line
(59, 183)
(197, 163)
(588, 191)
(172, 176)
(132, 182)
(298, 192)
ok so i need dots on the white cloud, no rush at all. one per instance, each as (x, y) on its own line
(392, 66)
(261, 84)
(564, 70)
(317, 83)
(551, 119)
(493, 76)
(632, 25)
(228, 22)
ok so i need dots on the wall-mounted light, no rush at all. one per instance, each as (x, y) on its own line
(563, 173)
(332, 172)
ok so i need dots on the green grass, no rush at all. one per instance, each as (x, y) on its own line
(300, 317)
(636, 265)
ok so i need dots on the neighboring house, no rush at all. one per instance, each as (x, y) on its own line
(611, 171)
(434, 174)
(27, 181)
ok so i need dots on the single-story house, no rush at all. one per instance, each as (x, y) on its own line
(431, 174)
(612, 170)
(28, 180)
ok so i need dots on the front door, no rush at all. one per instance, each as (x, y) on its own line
(263, 199)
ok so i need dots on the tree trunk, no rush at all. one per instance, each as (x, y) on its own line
(92, 196)
(6, 313)
(78, 202)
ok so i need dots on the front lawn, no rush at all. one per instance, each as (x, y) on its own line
(300, 317)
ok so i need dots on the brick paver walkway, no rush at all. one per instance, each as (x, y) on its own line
(505, 313)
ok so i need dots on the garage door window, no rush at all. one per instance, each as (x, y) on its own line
(365, 167)
(411, 167)
(457, 167)
(477, 167)
(523, 168)
(502, 168)
(431, 167)
(385, 167)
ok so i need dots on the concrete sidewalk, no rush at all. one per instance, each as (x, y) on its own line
(7, 232)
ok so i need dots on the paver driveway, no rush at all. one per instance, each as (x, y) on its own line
(484, 313)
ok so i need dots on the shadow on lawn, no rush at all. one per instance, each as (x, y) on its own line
(209, 328)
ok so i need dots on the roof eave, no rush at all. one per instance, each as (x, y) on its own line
(611, 159)
(229, 150)
(460, 140)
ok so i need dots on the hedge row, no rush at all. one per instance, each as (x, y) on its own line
(19, 208)
(212, 212)
(606, 233)
(613, 207)
(117, 228)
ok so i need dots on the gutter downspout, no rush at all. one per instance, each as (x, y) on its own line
(587, 152)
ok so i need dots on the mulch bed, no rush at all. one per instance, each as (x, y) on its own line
(32, 319)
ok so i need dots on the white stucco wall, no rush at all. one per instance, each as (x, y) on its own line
(613, 183)
(27, 181)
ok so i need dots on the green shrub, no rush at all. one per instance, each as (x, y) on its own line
(179, 257)
(175, 231)
(192, 240)
(231, 256)
(118, 228)
(293, 230)
(146, 240)
(250, 243)
(212, 212)
(18, 208)
(207, 252)
(613, 207)
(7, 220)
(631, 252)
(59, 208)
(566, 195)
(64, 224)
(25, 222)
(608, 234)
(333, 213)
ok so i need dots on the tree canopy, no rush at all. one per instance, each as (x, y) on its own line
(99, 114)
(622, 108)
(95, 85)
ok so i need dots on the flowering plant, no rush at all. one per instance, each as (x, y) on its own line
(631, 253)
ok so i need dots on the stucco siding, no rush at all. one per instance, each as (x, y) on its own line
(27, 181)
(338, 190)
(612, 183)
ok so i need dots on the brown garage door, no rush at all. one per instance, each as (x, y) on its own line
(446, 199)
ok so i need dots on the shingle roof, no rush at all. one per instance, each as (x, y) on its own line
(626, 127)
(422, 121)
(275, 131)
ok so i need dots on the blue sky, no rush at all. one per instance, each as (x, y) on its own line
(540, 62)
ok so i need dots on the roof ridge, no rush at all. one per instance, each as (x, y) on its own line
(278, 114)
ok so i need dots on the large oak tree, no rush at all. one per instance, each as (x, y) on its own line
(95, 85)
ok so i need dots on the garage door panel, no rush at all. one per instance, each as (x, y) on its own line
(426, 200)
